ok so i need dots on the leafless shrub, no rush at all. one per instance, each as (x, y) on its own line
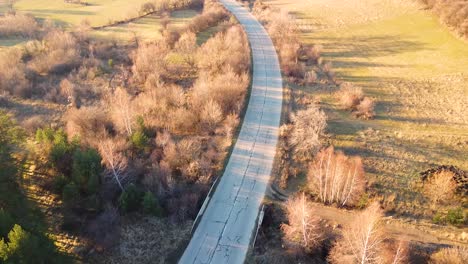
(18, 25)
(67, 88)
(362, 239)
(213, 13)
(211, 115)
(226, 90)
(289, 53)
(283, 30)
(165, 107)
(150, 59)
(112, 157)
(60, 53)
(295, 71)
(12, 74)
(186, 46)
(122, 111)
(395, 252)
(313, 54)
(350, 96)
(311, 77)
(88, 123)
(223, 50)
(229, 125)
(33, 123)
(303, 228)
(365, 109)
(170, 37)
(147, 7)
(440, 187)
(337, 178)
(308, 127)
(454, 255)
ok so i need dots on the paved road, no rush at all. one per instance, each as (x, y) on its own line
(229, 222)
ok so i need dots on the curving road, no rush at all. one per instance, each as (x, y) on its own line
(229, 222)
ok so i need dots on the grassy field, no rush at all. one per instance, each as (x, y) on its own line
(147, 28)
(416, 70)
(144, 29)
(96, 12)
(3, 6)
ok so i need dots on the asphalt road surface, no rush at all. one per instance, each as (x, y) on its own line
(228, 224)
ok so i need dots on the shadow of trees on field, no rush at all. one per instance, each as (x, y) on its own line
(61, 12)
(366, 47)
(339, 50)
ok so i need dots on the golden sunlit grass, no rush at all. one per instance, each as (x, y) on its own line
(3, 6)
(145, 29)
(417, 71)
(97, 12)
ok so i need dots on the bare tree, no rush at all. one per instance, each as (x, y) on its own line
(396, 252)
(440, 187)
(122, 110)
(336, 177)
(303, 228)
(187, 46)
(211, 115)
(112, 157)
(362, 239)
(308, 126)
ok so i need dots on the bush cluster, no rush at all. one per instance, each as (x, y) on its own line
(213, 14)
(352, 98)
(19, 25)
(452, 13)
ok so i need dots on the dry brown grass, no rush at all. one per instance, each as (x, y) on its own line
(146, 240)
(455, 255)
